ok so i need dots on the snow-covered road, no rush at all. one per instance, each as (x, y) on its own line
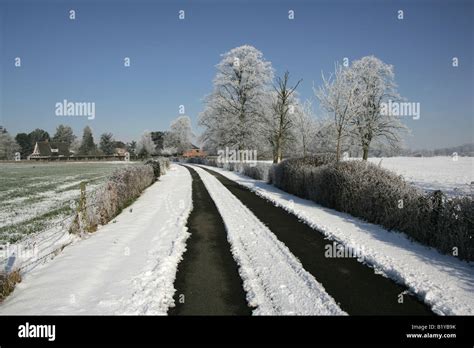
(443, 282)
(275, 281)
(126, 267)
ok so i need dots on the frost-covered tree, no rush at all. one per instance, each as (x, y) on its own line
(170, 145)
(169, 151)
(375, 84)
(64, 134)
(304, 127)
(280, 119)
(107, 143)
(180, 135)
(131, 147)
(75, 146)
(336, 97)
(145, 146)
(237, 102)
(323, 139)
(8, 145)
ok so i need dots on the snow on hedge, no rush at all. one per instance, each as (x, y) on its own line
(102, 204)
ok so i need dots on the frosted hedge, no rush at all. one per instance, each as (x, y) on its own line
(123, 187)
(160, 165)
(380, 196)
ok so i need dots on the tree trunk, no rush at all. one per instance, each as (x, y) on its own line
(338, 148)
(365, 152)
(275, 156)
(279, 148)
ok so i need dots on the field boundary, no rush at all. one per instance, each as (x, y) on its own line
(41, 246)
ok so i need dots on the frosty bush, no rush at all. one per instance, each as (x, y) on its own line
(165, 163)
(156, 168)
(122, 188)
(160, 165)
(260, 171)
(290, 174)
(452, 220)
(379, 196)
(8, 282)
(211, 162)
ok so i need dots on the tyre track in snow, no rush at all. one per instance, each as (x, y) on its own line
(207, 281)
(356, 287)
(273, 278)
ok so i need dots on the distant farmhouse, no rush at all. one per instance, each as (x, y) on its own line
(46, 149)
(51, 150)
(119, 151)
(194, 151)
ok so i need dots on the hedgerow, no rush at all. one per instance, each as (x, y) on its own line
(160, 165)
(379, 196)
(103, 204)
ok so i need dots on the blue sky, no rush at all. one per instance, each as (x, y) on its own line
(173, 61)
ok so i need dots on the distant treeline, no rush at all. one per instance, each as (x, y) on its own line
(461, 150)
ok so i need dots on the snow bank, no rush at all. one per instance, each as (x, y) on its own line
(441, 281)
(127, 267)
(274, 279)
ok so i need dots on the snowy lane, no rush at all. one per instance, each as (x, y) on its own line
(126, 267)
(443, 282)
(356, 288)
(274, 279)
(208, 278)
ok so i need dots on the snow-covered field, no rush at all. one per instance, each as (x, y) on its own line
(451, 175)
(126, 267)
(443, 282)
(37, 195)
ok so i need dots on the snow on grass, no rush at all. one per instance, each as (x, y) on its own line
(454, 177)
(443, 282)
(37, 248)
(36, 195)
(274, 279)
(127, 267)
